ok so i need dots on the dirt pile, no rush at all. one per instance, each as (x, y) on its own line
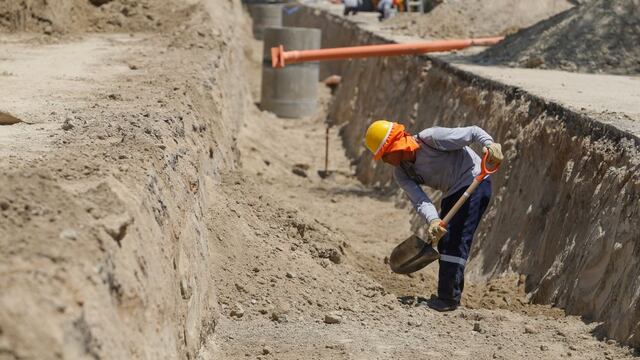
(475, 18)
(597, 36)
(71, 16)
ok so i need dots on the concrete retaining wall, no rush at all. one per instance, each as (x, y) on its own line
(566, 203)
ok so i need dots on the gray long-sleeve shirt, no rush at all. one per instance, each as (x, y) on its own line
(445, 162)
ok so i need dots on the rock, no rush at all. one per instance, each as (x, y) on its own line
(299, 172)
(66, 126)
(69, 234)
(573, 347)
(304, 167)
(544, 347)
(332, 80)
(237, 311)
(279, 317)
(266, 350)
(48, 30)
(332, 318)
(280, 313)
(99, 2)
(478, 328)
(533, 62)
(528, 329)
(291, 275)
(331, 254)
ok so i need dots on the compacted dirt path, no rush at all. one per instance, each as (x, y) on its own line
(303, 272)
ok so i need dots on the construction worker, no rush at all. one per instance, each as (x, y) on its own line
(441, 159)
(385, 8)
(351, 6)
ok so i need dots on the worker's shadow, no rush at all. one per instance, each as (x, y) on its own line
(412, 300)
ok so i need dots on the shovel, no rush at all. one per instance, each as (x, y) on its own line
(325, 173)
(414, 253)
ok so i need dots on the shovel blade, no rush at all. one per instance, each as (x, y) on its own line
(412, 255)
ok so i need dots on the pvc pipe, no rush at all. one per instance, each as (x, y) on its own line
(279, 57)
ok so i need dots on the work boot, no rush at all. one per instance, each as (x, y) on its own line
(442, 305)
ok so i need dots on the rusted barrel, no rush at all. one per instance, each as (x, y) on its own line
(264, 16)
(291, 92)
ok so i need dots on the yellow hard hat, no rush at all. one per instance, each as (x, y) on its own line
(377, 135)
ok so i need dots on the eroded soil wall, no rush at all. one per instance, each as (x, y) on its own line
(566, 203)
(105, 251)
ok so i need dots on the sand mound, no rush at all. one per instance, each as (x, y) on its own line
(72, 16)
(472, 18)
(598, 36)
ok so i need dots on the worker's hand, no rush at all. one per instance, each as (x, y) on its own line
(435, 231)
(495, 154)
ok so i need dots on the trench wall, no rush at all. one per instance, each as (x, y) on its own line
(105, 250)
(566, 203)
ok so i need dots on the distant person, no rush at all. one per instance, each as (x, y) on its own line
(385, 8)
(351, 6)
(441, 159)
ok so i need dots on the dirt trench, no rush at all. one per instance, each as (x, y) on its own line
(566, 203)
(149, 210)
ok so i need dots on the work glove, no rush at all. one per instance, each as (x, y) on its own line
(435, 231)
(495, 154)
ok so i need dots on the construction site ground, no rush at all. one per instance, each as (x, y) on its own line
(381, 317)
(299, 268)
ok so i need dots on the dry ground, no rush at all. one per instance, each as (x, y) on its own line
(279, 275)
(113, 202)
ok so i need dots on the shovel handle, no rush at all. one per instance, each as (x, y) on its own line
(484, 172)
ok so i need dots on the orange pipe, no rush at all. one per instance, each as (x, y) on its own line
(279, 57)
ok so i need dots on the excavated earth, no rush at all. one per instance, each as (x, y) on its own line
(598, 36)
(149, 210)
(459, 19)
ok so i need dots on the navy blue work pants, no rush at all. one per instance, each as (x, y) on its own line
(454, 246)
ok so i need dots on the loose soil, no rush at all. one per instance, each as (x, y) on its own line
(132, 226)
(281, 290)
(73, 16)
(597, 36)
(475, 18)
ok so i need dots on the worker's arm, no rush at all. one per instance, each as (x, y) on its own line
(420, 200)
(448, 139)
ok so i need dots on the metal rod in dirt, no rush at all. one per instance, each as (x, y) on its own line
(280, 57)
(326, 151)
